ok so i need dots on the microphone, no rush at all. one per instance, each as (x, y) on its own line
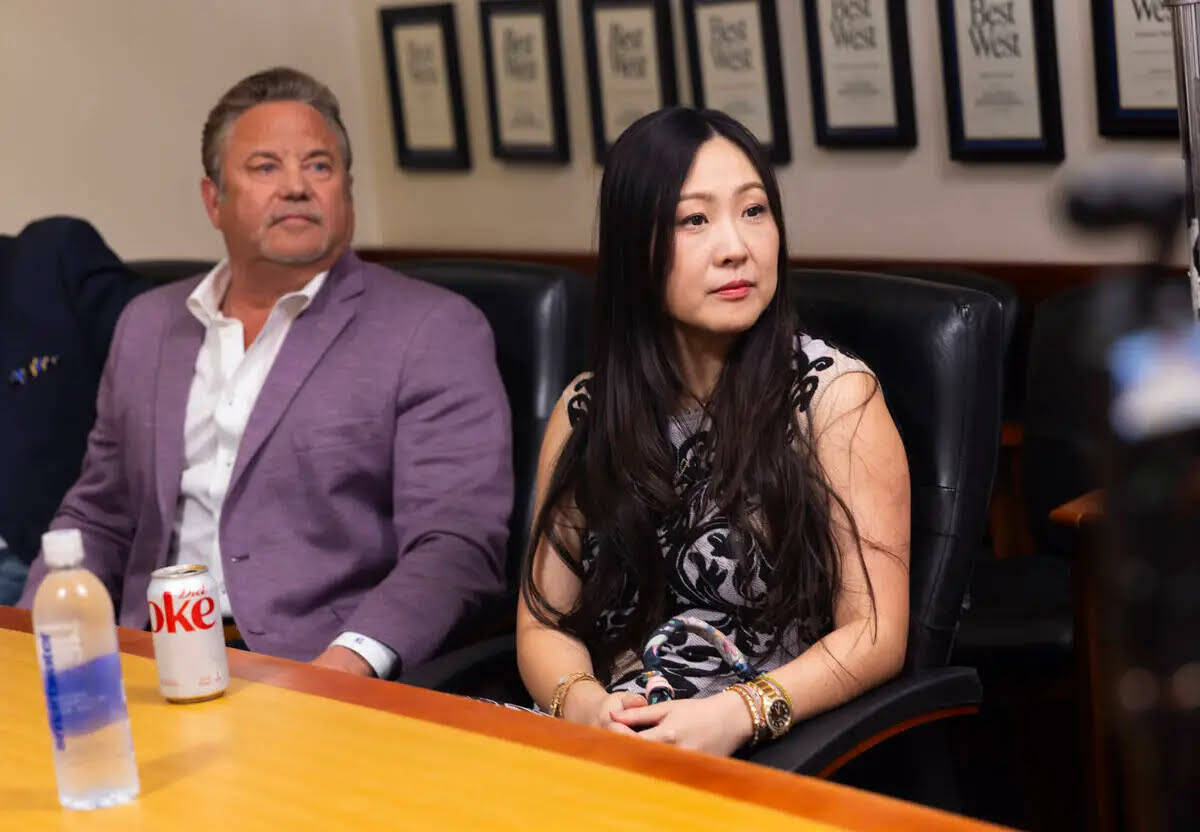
(1121, 192)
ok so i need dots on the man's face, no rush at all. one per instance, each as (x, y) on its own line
(285, 192)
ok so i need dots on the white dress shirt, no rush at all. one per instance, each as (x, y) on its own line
(225, 386)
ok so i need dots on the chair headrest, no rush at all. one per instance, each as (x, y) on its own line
(538, 317)
(160, 272)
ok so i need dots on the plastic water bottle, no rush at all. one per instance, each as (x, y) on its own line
(81, 671)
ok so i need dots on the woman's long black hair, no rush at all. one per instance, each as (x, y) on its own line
(617, 467)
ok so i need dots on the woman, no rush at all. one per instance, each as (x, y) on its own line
(718, 465)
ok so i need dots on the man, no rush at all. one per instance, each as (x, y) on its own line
(61, 290)
(330, 438)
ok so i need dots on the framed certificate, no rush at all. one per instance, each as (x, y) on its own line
(733, 53)
(523, 60)
(631, 64)
(860, 73)
(420, 49)
(1135, 68)
(1001, 76)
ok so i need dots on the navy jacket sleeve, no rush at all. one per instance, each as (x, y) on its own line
(61, 292)
(96, 284)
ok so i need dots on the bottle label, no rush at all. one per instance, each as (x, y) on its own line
(86, 696)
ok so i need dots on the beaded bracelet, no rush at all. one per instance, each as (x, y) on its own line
(753, 705)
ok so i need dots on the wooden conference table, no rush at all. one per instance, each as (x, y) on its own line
(297, 747)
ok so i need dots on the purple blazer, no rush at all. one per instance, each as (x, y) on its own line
(372, 487)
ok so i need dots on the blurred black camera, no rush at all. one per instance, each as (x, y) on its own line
(1143, 349)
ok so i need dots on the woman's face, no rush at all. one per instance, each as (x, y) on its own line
(724, 263)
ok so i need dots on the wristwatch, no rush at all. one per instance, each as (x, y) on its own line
(776, 705)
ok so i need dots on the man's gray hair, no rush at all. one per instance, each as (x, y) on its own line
(278, 84)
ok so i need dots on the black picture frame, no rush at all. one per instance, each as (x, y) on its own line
(904, 134)
(664, 44)
(558, 150)
(1117, 121)
(442, 14)
(779, 147)
(1047, 148)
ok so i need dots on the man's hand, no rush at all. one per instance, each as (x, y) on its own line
(345, 660)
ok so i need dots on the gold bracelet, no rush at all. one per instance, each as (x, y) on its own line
(779, 688)
(564, 687)
(745, 692)
(777, 708)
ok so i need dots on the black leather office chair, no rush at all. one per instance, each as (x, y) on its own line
(1021, 615)
(1035, 593)
(937, 351)
(1003, 292)
(539, 318)
(160, 272)
(1010, 310)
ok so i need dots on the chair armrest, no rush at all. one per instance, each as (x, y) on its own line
(1087, 510)
(1012, 434)
(821, 745)
(459, 669)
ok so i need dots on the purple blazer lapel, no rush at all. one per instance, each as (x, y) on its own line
(180, 347)
(310, 336)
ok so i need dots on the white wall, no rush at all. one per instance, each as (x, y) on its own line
(102, 103)
(856, 204)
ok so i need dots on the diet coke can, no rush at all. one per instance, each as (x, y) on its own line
(189, 639)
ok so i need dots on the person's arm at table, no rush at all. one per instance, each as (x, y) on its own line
(864, 460)
(98, 503)
(349, 654)
(544, 654)
(452, 493)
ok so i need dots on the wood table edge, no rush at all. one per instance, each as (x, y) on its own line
(805, 797)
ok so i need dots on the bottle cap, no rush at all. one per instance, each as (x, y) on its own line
(63, 548)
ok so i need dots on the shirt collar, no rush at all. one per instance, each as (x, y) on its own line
(205, 300)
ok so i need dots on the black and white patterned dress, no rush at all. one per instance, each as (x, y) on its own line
(713, 575)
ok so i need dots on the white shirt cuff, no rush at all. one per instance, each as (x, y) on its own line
(381, 657)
